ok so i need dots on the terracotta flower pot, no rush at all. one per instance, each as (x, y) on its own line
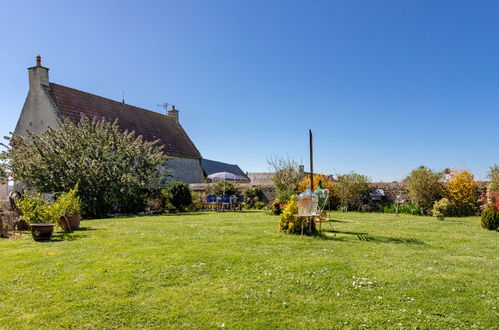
(42, 231)
(70, 223)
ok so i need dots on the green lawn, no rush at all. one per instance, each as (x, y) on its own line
(236, 270)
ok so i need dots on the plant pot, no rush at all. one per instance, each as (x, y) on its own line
(42, 231)
(70, 223)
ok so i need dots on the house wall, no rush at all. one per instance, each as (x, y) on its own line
(39, 111)
(185, 169)
(4, 192)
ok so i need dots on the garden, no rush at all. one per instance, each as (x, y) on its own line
(419, 253)
(236, 270)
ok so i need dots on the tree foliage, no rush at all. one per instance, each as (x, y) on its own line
(286, 178)
(179, 195)
(327, 183)
(224, 187)
(494, 176)
(461, 190)
(352, 189)
(109, 165)
(424, 187)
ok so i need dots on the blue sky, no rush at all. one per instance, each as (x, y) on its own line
(386, 86)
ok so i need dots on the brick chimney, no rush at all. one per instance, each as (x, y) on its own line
(173, 113)
(38, 75)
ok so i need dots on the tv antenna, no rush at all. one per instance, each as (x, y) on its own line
(164, 105)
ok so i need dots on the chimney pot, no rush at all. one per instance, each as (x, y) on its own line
(173, 113)
(38, 60)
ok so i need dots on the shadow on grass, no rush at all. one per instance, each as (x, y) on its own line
(332, 235)
(65, 236)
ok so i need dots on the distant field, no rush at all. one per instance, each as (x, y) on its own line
(236, 270)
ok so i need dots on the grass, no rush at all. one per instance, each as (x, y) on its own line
(235, 270)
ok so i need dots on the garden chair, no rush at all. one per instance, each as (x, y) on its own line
(233, 202)
(212, 201)
(323, 195)
(225, 202)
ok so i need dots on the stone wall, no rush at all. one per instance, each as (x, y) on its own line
(185, 169)
(4, 192)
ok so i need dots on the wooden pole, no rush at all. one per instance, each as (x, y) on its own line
(311, 161)
(311, 223)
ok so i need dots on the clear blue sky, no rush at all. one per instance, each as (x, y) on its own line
(386, 86)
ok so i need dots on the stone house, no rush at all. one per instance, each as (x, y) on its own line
(48, 103)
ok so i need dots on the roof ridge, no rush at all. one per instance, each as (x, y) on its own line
(109, 99)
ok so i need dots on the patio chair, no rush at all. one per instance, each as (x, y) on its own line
(233, 202)
(212, 201)
(225, 202)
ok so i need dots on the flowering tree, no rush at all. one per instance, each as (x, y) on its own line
(109, 165)
(461, 190)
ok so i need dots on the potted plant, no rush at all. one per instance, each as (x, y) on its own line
(39, 215)
(69, 207)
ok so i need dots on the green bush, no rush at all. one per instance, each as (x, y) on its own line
(406, 208)
(69, 204)
(424, 187)
(224, 187)
(441, 208)
(342, 208)
(259, 205)
(35, 209)
(352, 188)
(178, 194)
(490, 218)
(197, 203)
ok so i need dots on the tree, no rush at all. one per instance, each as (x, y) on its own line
(109, 165)
(287, 176)
(461, 190)
(352, 189)
(494, 176)
(424, 187)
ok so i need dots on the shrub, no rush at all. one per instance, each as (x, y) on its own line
(494, 176)
(286, 178)
(424, 187)
(179, 195)
(259, 205)
(35, 209)
(277, 207)
(342, 208)
(326, 183)
(197, 203)
(253, 195)
(440, 208)
(490, 218)
(224, 187)
(352, 189)
(406, 208)
(461, 190)
(109, 165)
(69, 204)
(288, 223)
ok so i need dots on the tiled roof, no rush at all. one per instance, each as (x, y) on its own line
(212, 166)
(151, 125)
